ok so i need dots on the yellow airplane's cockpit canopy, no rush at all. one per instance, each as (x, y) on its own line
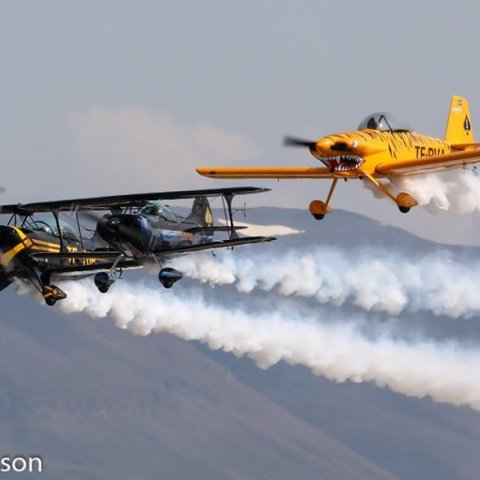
(383, 122)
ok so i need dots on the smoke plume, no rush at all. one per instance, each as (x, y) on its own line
(457, 191)
(372, 279)
(447, 372)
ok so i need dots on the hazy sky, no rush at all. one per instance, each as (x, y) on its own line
(115, 97)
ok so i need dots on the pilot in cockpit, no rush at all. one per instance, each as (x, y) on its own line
(158, 209)
(383, 122)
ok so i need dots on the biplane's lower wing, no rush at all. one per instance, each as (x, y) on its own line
(415, 166)
(112, 256)
(265, 172)
(234, 242)
(77, 255)
(97, 267)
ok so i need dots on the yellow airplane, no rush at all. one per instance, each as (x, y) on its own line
(381, 148)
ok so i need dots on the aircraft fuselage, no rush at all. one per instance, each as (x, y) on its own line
(348, 153)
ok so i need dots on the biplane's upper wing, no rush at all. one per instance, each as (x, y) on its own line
(265, 172)
(123, 201)
(414, 166)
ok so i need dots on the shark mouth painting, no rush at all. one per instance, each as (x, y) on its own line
(342, 163)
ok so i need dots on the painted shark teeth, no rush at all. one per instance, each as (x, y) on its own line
(342, 163)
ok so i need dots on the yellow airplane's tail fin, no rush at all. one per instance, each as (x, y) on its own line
(459, 125)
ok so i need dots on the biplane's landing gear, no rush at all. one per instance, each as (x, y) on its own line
(103, 281)
(318, 208)
(403, 200)
(45, 278)
(52, 294)
(168, 276)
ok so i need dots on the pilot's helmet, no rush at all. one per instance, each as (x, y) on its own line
(373, 123)
(151, 208)
(43, 227)
(67, 232)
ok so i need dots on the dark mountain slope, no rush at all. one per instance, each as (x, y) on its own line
(97, 402)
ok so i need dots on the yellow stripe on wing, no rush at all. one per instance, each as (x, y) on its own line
(39, 248)
(43, 243)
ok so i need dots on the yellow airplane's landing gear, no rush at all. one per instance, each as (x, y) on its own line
(52, 294)
(318, 208)
(405, 202)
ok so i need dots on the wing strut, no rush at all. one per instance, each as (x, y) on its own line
(228, 199)
(79, 230)
(60, 236)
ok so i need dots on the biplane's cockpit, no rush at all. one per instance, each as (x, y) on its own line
(383, 122)
(50, 227)
(158, 209)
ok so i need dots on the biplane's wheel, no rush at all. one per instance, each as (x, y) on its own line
(168, 283)
(50, 301)
(404, 209)
(318, 216)
(168, 276)
(102, 282)
(51, 294)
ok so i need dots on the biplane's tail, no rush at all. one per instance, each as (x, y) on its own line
(201, 213)
(459, 126)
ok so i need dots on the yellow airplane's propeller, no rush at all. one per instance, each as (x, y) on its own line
(323, 147)
(298, 142)
(335, 145)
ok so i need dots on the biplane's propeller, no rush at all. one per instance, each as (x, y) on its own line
(299, 142)
(113, 225)
(93, 216)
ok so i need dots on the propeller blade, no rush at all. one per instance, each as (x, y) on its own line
(298, 142)
(91, 216)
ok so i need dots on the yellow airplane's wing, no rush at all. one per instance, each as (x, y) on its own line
(464, 146)
(265, 172)
(429, 164)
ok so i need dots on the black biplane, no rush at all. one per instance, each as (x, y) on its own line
(133, 231)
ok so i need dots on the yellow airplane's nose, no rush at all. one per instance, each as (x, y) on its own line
(333, 145)
(324, 146)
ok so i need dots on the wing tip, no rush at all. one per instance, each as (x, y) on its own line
(206, 172)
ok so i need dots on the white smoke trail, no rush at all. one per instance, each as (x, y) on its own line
(457, 191)
(446, 372)
(374, 280)
(252, 229)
